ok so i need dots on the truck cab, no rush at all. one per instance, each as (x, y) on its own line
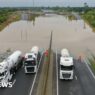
(9, 66)
(5, 74)
(30, 63)
(66, 68)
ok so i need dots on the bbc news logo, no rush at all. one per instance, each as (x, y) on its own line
(6, 84)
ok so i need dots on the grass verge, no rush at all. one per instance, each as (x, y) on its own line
(92, 62)
(11, 18)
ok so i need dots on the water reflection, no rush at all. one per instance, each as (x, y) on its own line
(23, 35)
(29, 17)
(24, 16)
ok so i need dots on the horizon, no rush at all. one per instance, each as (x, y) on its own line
(46, 3)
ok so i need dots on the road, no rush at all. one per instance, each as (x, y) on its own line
(22, 83)
(83, 83)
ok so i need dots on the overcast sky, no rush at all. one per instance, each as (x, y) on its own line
(29, 3)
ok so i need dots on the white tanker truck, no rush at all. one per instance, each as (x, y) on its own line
(31, 60)
(9, 66)
(66, 65)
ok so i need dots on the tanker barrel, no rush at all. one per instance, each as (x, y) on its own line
(65, 53)
(14, 58)
(15, 55)
(35, 49)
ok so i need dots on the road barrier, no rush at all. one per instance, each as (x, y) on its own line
(45, 81)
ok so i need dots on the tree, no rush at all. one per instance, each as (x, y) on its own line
(86, 7)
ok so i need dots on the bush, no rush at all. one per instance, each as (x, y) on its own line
(90, 17)
(4, 13)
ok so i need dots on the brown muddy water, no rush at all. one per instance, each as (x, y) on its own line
(22, 35)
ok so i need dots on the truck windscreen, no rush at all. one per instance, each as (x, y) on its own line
(30, 63)
(66, 67)
(30, 56)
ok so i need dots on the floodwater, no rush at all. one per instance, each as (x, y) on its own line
(22, 35)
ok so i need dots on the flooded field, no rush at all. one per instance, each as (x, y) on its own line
(22, 35)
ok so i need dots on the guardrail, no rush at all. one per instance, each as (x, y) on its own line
(47, 70)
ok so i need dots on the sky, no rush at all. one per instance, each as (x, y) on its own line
(29, 3)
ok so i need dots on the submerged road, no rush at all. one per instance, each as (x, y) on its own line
(22, 82)
(83, 83)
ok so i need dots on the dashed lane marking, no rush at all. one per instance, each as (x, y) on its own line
(14, 82)
(76, 77)
(89, 69)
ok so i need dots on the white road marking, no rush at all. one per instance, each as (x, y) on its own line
(14, 82)
(89, 68)
(76, 77)
(31, 90)
(57, 74)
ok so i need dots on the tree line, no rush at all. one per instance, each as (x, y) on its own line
(4, 14)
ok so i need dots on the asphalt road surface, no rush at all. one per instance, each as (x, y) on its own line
(82, 84)
(22, 83)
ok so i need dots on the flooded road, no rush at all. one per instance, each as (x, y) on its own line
(74, 35)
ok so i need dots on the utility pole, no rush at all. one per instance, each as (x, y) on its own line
(33, 3)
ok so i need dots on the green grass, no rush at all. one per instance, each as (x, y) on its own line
(92, 62)
(7, 15)
(89, 17)
(10, 18)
